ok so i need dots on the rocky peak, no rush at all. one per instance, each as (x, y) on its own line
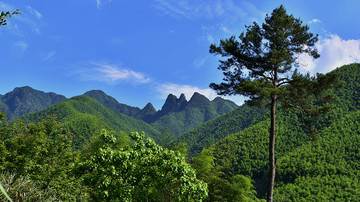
(198, 100)
(148, 109)
(170, 104)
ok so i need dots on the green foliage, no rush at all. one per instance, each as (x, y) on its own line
(21, 189)
(221, 186)
(3, 191)
(145, 172)
(41, 153)
(7, 14)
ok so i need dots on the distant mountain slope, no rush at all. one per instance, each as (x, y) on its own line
(84, 116)
(112, 103)
(24, 100)
(179, 116)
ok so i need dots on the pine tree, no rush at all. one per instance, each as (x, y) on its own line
(262, 64)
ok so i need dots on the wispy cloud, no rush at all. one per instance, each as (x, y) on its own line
(111, 74)
(314, 21)
(200, 61)
(188, 90)
(225, 29)
(201, 9)
(100, 2)
(334, 52)
(21, 46)
(49, 55)
(34, 12)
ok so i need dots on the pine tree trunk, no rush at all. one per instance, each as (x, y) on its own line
(272, 161)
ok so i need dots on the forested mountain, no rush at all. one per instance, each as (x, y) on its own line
(23, 100)
(84, 117)
(325, 169)
(112, 103)
(178, 116)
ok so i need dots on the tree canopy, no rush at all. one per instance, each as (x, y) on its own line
(262, 64)
(143, 172)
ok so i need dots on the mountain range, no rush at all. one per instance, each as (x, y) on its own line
(176, 116)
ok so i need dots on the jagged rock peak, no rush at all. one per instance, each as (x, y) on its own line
(149, 108)
(182, 97)
(170, 103)
(218, 99)
(197, 97)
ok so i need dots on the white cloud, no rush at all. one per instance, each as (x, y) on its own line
(314, 21)
(201, 9)
(334, 52)
(34, 12)
(21, 46)
(49, 55)
(206, 34)
(111, 74)
(210, 38)
(188, 90)
(225, 29)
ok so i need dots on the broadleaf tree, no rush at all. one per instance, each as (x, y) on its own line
(262, 65)
(144, 172)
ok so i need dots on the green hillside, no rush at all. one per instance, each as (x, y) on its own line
(326, 170)
(214, 130)
(84, 116)
(329, 165)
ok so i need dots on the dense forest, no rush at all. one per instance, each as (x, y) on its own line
(79, 149)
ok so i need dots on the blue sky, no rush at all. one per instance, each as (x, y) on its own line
(139, 51)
